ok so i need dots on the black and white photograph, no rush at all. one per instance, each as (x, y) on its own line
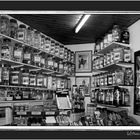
(70, 72)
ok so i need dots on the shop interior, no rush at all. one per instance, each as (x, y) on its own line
(70, 69)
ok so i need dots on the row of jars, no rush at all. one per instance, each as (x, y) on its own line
(119, 77)
(34, 38)
(24, 54)
(116, 55)
(17, 76)
(115, 35)
(117, 96)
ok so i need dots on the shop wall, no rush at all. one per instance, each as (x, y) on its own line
(81, 47)
(135, 44)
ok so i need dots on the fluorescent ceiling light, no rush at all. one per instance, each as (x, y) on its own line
(81, 23)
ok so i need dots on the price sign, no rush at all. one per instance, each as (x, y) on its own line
(36, 113)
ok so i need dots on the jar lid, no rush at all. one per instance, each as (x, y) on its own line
(13, 20)
(22, 26)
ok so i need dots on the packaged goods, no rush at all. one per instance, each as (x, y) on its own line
(18, 52)
(45, 81)
(0, 74)
(69, 55)
(56, 68)
(21, 33)
(72, 57)
(118, 55)
(6, 49)
(13, 28)
(66, 68)
(101, 62)
(65, 54)
(110, 79)
(43, 61)
(49, 82)
(116, 33)
(37, 39)
(4, 25)
(125, 36)
(42, 44)
(25, 94)
(2, 95)
(108, 62)
(112, 58)
(54, 83)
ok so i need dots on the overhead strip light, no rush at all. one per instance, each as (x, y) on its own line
(81, 23)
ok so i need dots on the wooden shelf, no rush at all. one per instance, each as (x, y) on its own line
(41, 50)
(113, 67)
(112, 46)
(112, 86)
(20, 101)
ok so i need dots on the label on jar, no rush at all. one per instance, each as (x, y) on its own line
(37, 58)
(47, 47)
(117, 56)
(60, 66)
(15, 79)
(25, 80)
(43, 61)
(33, 81)
(20, 35)
(50, 63)
(110, 80)
(27, 56)
(17, 53)
(40, 82)
(55, 64)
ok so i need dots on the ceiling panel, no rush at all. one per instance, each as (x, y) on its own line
(61, 27)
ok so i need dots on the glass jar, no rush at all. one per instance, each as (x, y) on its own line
(5, 74)
(61, 52)
(15, 77)
(57, 49)
(65, 54)
(32, 80)
(25, 77)
(37, 39)
(72, 69)
(52, 51)
(42, 42)
(105, 41)
(40, 80)
(55, 66)
(125, 36)
(108, 59)
(61, 67)
(110, 79)
(4, 25)
(13, 28)
(66, 71)
(109, 37)
(116, 33)
(72, 57)
(69, 55)
(21, 33)
(47, 46)
(27, 55)
(6, 49)
(43, 61)
(101, 45)
(50, 63)
(30, 36)
(18, 52)
(45, 81)
(37, 59)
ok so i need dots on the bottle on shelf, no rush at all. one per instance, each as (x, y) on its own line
(37, 59)
(27, 55)
(125, 36)
(4, 25)
(61, 67)
(18, 52)
(50, 63)
(25, 77)
(13, 28)
(117, 97)
(32, 80)
(6, 49)
(37, 39)
(21, 33)
(116, 33)
(30, 36)
(5, 74)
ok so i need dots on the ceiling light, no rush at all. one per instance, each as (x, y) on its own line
(81, 23)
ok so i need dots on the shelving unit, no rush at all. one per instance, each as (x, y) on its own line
(112, 46)
(110, 68)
